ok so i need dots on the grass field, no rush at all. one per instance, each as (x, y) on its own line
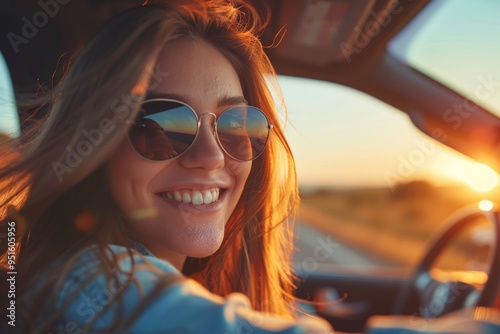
(394, 224)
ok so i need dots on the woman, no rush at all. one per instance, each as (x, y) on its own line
(160, 154)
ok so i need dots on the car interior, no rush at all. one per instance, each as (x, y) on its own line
(364, 46)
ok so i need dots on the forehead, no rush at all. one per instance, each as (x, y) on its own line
(197, 71)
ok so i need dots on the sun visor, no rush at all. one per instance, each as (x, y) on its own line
(321, 32)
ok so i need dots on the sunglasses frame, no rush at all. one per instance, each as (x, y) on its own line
(198, 121)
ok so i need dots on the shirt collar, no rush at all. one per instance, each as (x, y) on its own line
(141, 248)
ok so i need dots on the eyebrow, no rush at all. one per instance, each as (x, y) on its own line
(223, 101)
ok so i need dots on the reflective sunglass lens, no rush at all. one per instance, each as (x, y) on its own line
(166, 130)
(243, 132)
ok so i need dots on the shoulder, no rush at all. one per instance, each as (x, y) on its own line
(113, 270)
(153, 297)
(124, 258)
(114, 266)
(93, 287)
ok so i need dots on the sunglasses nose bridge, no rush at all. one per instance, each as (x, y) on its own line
(214, 129)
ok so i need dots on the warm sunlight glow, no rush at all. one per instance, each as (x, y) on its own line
(469, 276)
(363, 142)
(485, 205)
(476, 175)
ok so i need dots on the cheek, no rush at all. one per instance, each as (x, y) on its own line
(128, 177)
(240, 171)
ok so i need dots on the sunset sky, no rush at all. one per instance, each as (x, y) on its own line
(341, 137)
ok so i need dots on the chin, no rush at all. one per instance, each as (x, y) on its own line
(201, 251)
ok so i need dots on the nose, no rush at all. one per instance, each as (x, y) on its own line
(205, 152)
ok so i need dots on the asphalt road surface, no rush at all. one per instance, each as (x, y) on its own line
(314, 247)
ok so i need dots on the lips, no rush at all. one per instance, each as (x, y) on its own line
(195, 197)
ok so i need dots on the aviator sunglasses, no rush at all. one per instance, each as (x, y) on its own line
(167, 128)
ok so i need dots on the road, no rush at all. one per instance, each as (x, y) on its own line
(315, 247)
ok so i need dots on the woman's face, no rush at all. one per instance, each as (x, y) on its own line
(148, 192)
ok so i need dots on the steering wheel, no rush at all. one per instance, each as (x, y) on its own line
(437, 297)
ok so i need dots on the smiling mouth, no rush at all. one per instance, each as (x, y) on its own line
(195, 197)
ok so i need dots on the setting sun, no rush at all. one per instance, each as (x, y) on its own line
(476, 175)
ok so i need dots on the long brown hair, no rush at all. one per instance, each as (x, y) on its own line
(55, 173)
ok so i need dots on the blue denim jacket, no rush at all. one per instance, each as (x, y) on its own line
(183, 306)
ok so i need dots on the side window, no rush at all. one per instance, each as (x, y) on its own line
(9, 119)
(370, 182)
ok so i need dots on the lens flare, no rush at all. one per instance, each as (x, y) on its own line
(485, 205)
(85, 221)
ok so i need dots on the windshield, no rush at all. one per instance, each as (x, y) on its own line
(370, 182)
(450, 41)
(342, 137)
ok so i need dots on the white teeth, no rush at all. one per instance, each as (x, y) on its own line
(195, 197)
(178, 196)
(186, 198)
(208, 197)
